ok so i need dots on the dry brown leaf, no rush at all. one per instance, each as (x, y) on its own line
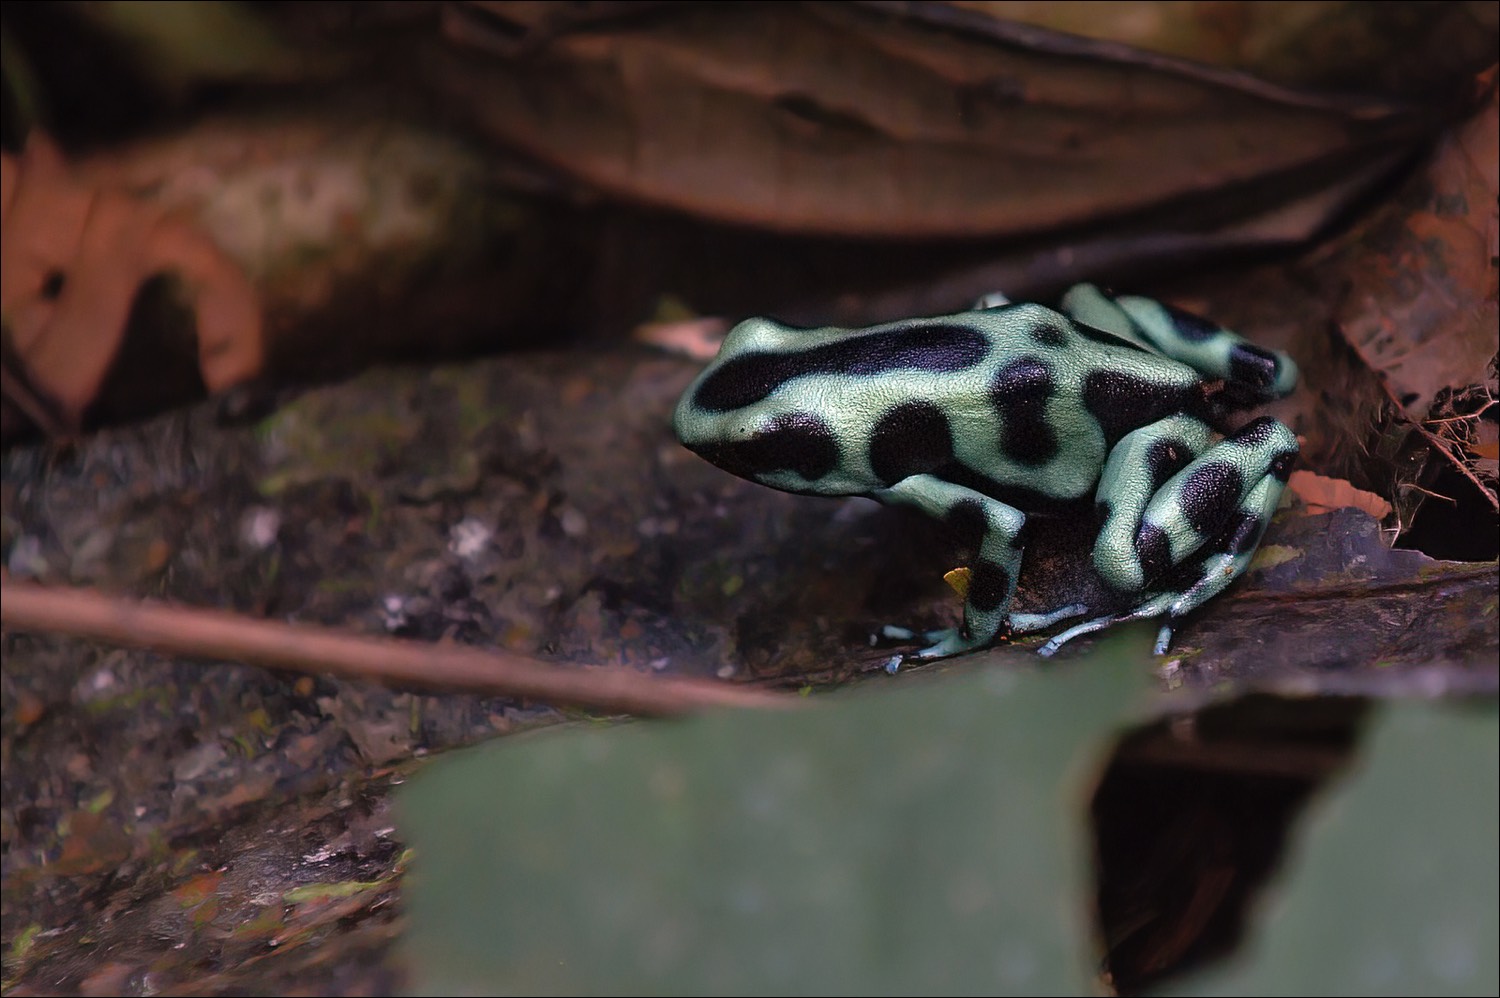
(1417, 289)
(1421, 307)
(848, 120)
(1389, 48)
(1323, 495)
(1484, 451)
(75, 258)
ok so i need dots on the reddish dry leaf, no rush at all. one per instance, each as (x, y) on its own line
(1483, 452)
(94, 842)
(364, 236)
(75, 257)
(1417, 289)
(699, 339)
(30, 709)
(1323, 495)
(198, 889)
(1421, 307)
(112, 977)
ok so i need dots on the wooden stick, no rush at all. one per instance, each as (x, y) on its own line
(215, 634)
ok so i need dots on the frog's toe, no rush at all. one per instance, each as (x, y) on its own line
(942, 643)
(1077, 630)
(945, 643)
(1163, 637)
(1025, 623)
(1155, 606)
(892, 632)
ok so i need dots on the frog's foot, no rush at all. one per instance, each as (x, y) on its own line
(890, 632)
(1214, 573)
(951, 641)
(1025, 623)
(945, 641)
(1153, 607)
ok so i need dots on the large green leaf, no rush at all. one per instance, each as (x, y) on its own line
(926, 836)
(1395, 888)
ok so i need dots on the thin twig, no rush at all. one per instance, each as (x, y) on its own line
(1465, 417)
(215, 634)
(1414, 487)
(1432, 438)
(1443, 446)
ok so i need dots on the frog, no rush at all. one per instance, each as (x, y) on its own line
(984, 417)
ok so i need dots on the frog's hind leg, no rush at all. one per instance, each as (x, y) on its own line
(1254, 373)
(1162, 506)
(1227, 556)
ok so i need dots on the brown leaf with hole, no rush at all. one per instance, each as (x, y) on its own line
(75, 257)
(1323, 495)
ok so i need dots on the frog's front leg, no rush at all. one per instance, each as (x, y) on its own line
(1166, 499)
(992, 577)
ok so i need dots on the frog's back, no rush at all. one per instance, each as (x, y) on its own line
(1012, 400)
(1055, 396)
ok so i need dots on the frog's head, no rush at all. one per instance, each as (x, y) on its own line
(756, 444)
(723, 404)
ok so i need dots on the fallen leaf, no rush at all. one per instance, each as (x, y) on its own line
(698, 339)
(92, 842)
(1322, 495)
(111, 978)
(1421, 304)
(75, 258)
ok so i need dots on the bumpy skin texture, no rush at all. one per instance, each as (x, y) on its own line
(977, 417)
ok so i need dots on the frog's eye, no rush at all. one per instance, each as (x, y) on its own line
(762, 334)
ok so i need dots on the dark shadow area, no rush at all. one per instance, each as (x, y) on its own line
(1191, 819)
(1462, 527)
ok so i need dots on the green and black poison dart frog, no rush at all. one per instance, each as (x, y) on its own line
(980, 417)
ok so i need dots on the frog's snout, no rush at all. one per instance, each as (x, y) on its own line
(705, 434)
(687, 421)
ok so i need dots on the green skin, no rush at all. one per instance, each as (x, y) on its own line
(983, 416)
